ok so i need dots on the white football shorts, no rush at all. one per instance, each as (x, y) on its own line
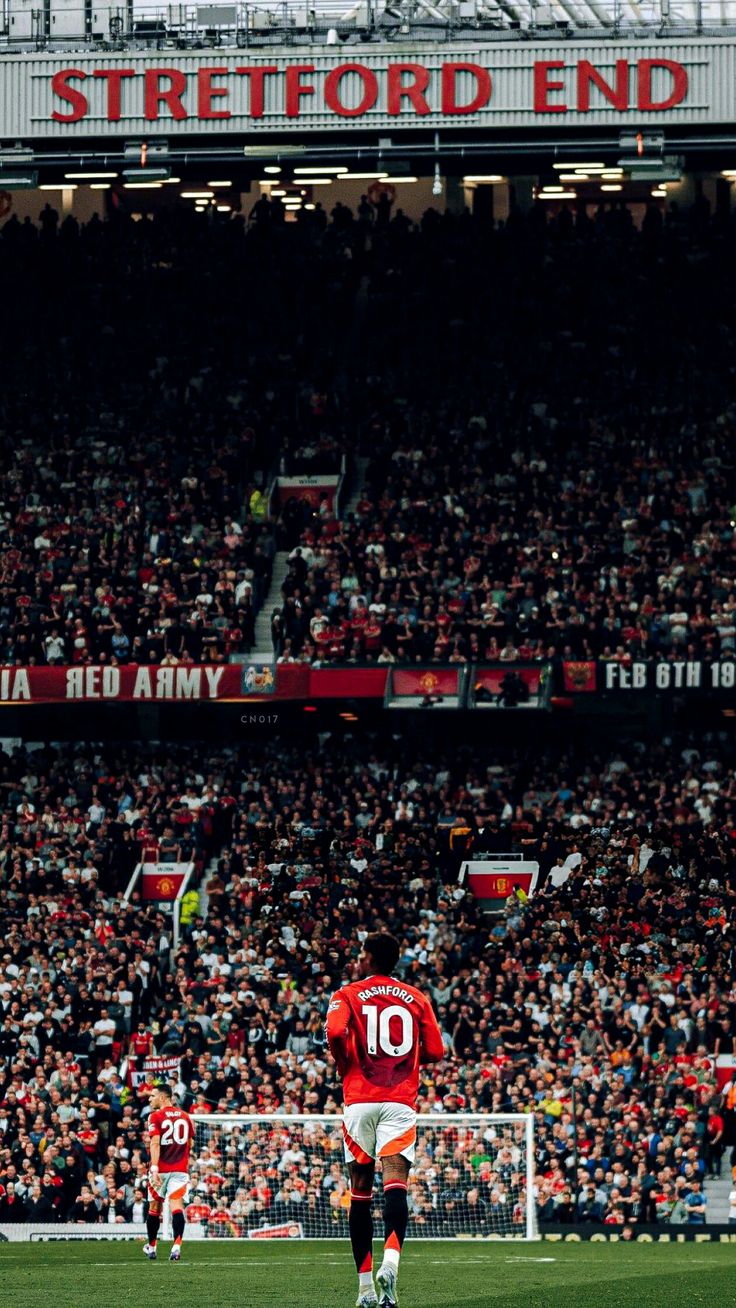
(379, 1130)
(169, 1185)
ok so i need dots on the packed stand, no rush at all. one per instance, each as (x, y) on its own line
(544, 410)
(140, 429)
(614, 980)
(537, 484)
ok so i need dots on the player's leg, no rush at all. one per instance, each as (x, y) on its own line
(361, 1229)
(153, 1221)
(395, 1222)
(360, 1142)
(176, 1206)
(396, 1137)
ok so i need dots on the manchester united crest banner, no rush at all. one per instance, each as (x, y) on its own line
(493, 880)
(162, 881)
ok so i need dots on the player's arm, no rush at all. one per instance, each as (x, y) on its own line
(338, 1031)
(431, 1046)
(154, 1147)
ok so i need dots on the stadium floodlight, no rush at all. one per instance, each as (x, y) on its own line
(27, 181)
(146, 174)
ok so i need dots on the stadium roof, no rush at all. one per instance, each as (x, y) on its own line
(272, 22)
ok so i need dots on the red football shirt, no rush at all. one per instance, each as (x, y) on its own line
(175, 1129)
(379, 1031)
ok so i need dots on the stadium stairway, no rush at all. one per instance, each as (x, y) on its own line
(358, 482)
(264, 645)
(717, 1191)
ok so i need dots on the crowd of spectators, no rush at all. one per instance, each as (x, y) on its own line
(613, 983)
(546, 469)
(147, 376)
(547, 427)
(539, 413)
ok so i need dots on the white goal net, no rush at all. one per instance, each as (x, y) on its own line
(280, 1176)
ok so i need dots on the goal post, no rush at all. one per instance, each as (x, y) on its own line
(258, 1176)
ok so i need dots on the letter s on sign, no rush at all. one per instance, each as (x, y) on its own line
(60, 86)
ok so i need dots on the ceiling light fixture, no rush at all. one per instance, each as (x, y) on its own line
(89, 177)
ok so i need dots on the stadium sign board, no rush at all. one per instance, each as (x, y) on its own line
(660, 1234)
(458, 84)
(655, 676)
(22, 1231)
(140, 1076)
(309, 490)
(255, 680)
(161, 882)
(492, 880)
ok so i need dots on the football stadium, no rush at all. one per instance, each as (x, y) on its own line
(368, 668)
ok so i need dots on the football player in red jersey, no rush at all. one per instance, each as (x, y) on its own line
(171, 1131)
(380, 1030)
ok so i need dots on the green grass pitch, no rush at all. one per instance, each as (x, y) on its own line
(98, 1274)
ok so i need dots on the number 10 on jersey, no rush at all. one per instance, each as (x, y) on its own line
(378, 1030)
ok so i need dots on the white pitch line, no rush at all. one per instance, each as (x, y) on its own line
(331, 1261)
(207, 1263)
(522, 1259)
